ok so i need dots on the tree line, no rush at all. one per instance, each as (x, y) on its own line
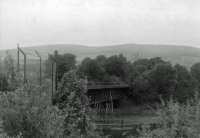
(149, 79)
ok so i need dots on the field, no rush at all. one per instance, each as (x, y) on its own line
(118, 123)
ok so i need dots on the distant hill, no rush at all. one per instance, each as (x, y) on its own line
(184, 55)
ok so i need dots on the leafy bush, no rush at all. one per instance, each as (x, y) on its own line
(176, 121)
(71, 99)
(29, 113)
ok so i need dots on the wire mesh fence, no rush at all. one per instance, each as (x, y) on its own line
(30, 66)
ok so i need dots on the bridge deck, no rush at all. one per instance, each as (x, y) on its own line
(94, 86)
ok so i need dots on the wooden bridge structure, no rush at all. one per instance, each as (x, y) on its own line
(106, 95)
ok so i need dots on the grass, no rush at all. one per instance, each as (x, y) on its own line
(132, 119)
(134, 114)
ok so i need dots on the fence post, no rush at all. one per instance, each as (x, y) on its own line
(37, 53)
(52, 79)
(25, 79)
(18, 58)
(56, 77)
(20, 50)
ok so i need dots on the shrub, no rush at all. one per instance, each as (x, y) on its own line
(176, 120)
(71, 99)
(30, 114)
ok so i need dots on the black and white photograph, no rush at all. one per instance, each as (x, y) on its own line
(99, 68)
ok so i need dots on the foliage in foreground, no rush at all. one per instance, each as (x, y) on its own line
(72, 101)
(27, 113)
(176, 121)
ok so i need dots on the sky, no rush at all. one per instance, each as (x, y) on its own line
(99, 22)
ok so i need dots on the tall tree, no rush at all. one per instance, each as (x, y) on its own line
(92, 69)
(163, 79)
(101, 60)
(1, 66)
(10, 71)
(150, 79)
(71, 99)
(195, 71)
(4, 86)
(185, 84)
(9, 66)
(117, 65)
(64, 63)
